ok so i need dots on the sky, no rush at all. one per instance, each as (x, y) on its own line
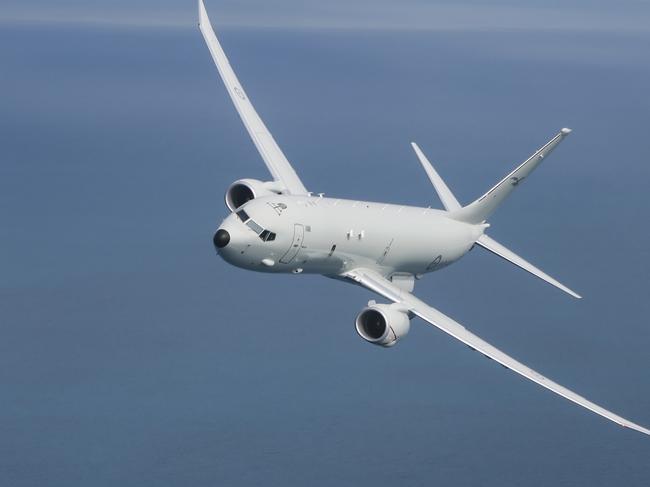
(573, 15)
(130, 354)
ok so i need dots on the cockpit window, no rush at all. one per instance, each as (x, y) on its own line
(254, 226)
(265, 235)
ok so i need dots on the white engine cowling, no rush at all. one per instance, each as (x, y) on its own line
(382, 324)
(245, 190)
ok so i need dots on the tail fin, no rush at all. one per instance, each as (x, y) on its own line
(478, 211)
(482, 208)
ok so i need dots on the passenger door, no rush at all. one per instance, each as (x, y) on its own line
(298, 237)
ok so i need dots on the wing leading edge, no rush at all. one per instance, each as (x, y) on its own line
(271, 153)
(378, 284)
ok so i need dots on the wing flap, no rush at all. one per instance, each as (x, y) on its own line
(273, 157)
(378, 284)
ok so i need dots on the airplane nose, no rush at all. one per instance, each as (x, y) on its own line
(221, 238)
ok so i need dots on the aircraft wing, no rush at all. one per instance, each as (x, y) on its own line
(382, 286)
(273, 156)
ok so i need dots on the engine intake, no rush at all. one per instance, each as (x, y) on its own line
(244, 190)
(382, 324)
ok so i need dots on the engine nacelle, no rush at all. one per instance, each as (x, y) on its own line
(382, 324)
(245, 190)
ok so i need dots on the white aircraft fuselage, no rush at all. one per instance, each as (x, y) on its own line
(328, 236)
(279, 226)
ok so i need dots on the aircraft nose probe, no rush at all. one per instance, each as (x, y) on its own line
(221, 238)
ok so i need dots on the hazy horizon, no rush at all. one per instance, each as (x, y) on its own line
(574, 15)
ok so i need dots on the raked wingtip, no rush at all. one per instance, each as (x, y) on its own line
(203, 13)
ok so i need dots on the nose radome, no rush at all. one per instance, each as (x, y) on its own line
(221, 238)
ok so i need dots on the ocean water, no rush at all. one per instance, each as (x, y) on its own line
(130, 354)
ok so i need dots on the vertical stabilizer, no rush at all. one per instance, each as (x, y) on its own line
(482, 208)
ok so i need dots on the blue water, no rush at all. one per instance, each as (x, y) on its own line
(131, 355)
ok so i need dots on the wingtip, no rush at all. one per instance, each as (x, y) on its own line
(570, 292)
(636, 427)
(204, 19)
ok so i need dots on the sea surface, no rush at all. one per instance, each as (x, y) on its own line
(131, 355)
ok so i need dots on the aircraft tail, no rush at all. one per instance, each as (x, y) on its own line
(482, 208)
(448, 199)
(478, 211)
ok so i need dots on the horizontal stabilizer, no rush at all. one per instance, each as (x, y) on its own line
(448, 199)
(498, 249)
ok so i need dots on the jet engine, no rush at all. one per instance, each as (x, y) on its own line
(382, 324)
(245, 190)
